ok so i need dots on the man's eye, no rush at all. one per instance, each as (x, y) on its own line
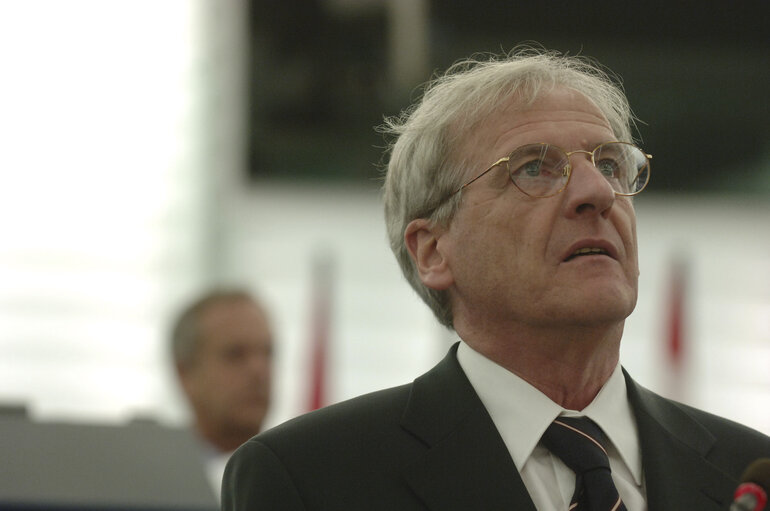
(608, 168)
(531, 169)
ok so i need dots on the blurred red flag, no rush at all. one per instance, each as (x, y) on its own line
(320, 323)
(675, 343)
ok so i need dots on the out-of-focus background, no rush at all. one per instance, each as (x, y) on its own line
(149, 149)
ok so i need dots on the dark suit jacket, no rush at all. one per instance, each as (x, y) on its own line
(431, 445)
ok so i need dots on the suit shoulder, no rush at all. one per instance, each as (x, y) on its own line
(253, 461)
(723, 428)
(358, 442)
(682, 418)
(368, 414)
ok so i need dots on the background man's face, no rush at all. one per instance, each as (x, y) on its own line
(228, 381)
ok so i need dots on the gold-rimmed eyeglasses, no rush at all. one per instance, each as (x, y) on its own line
(544, 170)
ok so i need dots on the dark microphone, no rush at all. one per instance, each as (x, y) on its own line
(751, 494)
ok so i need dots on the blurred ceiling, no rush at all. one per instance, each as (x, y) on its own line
(697, 76)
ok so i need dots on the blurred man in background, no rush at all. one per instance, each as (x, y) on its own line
(222, 349)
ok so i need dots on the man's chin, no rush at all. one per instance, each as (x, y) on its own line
(595, 309)
(250, 422)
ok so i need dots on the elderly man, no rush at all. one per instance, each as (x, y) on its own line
(222, 349)
(508, 202)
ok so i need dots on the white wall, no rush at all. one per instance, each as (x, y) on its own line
(726, 243)
(103, 205)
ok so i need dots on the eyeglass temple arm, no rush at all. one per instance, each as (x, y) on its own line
(495, 164)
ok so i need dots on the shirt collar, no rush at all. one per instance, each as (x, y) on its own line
(523, 413)
(611, 410)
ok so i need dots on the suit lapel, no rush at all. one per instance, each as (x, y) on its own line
(674, 449)
(466, 464)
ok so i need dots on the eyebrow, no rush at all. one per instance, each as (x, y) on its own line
(536, 148)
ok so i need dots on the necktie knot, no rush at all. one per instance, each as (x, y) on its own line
(580, 444)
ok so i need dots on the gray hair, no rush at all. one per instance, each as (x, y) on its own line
(186, 333)
(425, 164)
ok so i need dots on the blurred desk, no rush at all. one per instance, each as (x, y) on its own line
(65, 466)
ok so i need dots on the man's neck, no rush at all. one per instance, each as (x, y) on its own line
(570, 367)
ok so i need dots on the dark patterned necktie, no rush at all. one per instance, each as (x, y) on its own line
(579, 443)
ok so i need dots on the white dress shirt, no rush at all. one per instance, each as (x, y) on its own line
(523, 413)
(214, 462)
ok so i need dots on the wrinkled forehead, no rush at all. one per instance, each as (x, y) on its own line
(474, 139)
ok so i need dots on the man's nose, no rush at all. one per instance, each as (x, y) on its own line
(588, 189)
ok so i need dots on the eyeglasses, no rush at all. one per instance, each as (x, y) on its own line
(543, 170)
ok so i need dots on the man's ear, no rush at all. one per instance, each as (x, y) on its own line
(422, 241)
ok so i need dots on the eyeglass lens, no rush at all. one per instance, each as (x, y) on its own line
(541, 170)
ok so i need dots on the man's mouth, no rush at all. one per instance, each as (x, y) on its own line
(586, 251)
